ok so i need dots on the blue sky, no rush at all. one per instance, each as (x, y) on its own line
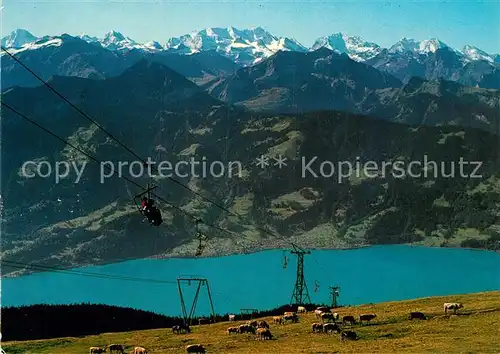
(454, 22)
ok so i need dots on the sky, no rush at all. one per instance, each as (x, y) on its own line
(456, 23)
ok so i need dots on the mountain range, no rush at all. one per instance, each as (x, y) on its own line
(249, 46)
(428, 59)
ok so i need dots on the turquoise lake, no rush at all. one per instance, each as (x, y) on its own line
(258, 280)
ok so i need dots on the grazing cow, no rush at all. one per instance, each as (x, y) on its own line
(289, 313)
(262, 324)
(331, 327)
(264, 333)
(317, 327)
(351, 335)
(367, 318)
(336, 316)
(116, 348)
(183, 328)
(349, 319)
(232, 317)
(294, 318)
(140, 350)
(97, 350)
(326, 317)
(417, 315)
(321, 310)
(452, 306)
(195, 348)
(301, 309)
(233, 330)
(203, 321)
(244, 328)
(252, 323)
(278, 319)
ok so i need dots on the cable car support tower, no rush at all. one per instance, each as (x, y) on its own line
(300, 295)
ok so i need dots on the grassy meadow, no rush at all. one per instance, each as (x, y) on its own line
(474, 329)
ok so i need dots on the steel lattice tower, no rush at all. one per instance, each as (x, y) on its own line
(300, 293)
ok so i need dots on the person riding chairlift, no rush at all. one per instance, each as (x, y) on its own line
(150, 212)
(146, 204)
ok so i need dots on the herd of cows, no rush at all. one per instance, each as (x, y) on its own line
(331, 322)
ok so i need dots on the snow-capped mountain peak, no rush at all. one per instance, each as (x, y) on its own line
(116, 41)
(417, 47)
(430, 45)
(153, 45)
(356, 47)
(246, 46)
(114, 36)
(18, 38)
(474, 53)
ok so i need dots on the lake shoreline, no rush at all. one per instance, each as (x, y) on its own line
(253, 250)
(287, 249)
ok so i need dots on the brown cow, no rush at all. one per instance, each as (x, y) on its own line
(262, 324)
(97, 350)
(116, 348)
(367, 318)
(252, 323)
(244, 328)
(183, 328)
(233, 330)
(417, 315)
(195, 348)
(278, 319)
(264, 333)
(350, 335)
(294, 318)
(349, 319)
(140, 350)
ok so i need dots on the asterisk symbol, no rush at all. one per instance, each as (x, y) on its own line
(262, 161)
(280, 161)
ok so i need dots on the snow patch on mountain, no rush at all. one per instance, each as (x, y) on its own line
(355, 47)
(44, 42)
(473, 53)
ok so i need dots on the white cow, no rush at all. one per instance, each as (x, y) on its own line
(140, 350)
(232, 317)
(321, 310)
(452, 306)
(301, 309)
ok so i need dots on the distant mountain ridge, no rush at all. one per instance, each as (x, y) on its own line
(231, 48)
(249, 46)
